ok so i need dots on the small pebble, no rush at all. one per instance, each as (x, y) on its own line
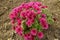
(42, 0)
(56, 39)
(10, 39)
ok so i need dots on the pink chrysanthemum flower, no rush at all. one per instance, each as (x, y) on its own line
(27, 36)
(28, 23)
(43, 15)
(36, 7)
(22, 14)
(40, 35)
(19, 21)
(39, 12)
(33, 32)
(44, 23)
(19, 30)
(30, 4)
(12, 16)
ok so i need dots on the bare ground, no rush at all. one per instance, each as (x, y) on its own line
(6, 32)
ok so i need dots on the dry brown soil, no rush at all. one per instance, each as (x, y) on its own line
(6, 33)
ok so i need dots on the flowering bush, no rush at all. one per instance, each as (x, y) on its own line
(29, 20)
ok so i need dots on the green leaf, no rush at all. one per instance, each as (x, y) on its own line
(37, 25)
(36, 38)
(44, 11)
(49, 16)
(24, 25)
(50, 20)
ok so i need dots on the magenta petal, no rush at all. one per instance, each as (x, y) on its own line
(27, 36)
(20, 33)
(33, 32)
(39, 12)
(40, 35)
(43, 15)
(28, 23)
(18, 29)
(45, 26)
(19, 21)
(44, 23)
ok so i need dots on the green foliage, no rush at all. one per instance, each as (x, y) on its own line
(44, 11)
(37, 25)
(36, 38)
(24, 25)
(50, 20)
(49, 16)
(26, 29)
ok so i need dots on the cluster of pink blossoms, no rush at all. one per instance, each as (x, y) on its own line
(28, 12)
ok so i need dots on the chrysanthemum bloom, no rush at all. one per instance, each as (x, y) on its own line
(12, 16)
(19, 21)
(33, 32)
(27, 36)
(29, 22)
(40, 35)
(36, 7)
(44, 23)
(43, 15)
(39, 12)
(19, 30)
(22, 14)
(14, 12)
